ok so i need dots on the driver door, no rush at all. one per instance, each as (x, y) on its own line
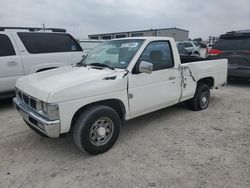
(161, 88)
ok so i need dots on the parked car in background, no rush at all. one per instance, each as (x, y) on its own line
(88, 45)
(187, 57)
(29, 50)
(182, 51)
(203, 44)
(235, 46)
(118, 80)
(191, 47)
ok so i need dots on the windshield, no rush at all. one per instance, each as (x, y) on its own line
(113, 54)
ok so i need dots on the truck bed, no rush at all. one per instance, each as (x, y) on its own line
(217, 69)
(188, 59)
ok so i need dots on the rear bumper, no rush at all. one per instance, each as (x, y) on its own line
(48, 127)
(241, 73)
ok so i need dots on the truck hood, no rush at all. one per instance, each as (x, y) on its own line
(71, 82)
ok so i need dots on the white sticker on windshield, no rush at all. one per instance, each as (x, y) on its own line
(129, 45)
(123, 62)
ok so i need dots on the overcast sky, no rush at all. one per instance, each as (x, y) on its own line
(83, 17)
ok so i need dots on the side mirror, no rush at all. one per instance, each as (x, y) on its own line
(146, 67)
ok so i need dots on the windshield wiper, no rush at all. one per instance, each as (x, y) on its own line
(81, 62)
(101, 65)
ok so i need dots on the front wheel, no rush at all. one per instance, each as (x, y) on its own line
(201, 99)
(97, 129)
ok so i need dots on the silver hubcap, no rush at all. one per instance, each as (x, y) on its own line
(101, 131)
(204, 99)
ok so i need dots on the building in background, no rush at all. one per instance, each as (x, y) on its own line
(176, 33)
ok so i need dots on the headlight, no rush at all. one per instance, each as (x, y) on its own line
(51, 111)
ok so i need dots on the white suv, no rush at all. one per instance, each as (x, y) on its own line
(89, 44)
(191, 47)
(29, 50)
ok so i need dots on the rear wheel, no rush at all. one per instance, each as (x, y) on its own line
(97, 129)
(201, 99)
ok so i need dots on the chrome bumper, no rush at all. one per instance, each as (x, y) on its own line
(48, 127)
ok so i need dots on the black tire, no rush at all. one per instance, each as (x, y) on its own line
(35, 130)
(198, 102)
(85, 130)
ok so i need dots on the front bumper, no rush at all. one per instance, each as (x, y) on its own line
(48, 127)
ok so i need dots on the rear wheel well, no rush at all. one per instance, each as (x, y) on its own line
(115, 104)
(209, 81)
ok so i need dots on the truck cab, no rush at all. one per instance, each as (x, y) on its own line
(119, 80)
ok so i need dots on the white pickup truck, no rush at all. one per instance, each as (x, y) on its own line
(25, 50)
(117, 81)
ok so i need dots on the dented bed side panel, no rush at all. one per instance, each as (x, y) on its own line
(217, 69)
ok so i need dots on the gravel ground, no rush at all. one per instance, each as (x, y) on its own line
(173, 147)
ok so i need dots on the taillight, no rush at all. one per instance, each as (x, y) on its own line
(214, 52)
(248, 51)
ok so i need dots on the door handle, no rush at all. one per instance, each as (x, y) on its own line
(172, 78)
(11, 63)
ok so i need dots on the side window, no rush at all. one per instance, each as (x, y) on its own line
(159, 54)
(6, 48)
(37, 43)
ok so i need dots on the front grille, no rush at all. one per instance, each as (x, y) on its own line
(33, 103)
(29, 101)
(26, 99)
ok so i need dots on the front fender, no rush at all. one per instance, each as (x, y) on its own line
(68, 109)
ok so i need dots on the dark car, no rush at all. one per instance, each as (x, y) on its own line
(235, 46)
